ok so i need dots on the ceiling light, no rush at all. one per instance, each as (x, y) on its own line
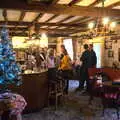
(105, 20)
(91, 25)
(113, 24)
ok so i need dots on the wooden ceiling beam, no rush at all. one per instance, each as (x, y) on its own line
(16, 28)
(51, 18)
(37, 18)
(73, 2)
(22, 16)
(59, 9)
(42, 24)
(18, 34)
(69, 17)
(55, 30)
(5, 15)
(87, 20)
(48, 34)
(78, 20)
(12, 29)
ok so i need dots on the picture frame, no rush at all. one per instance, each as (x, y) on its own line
(110, 53)
(108, 44)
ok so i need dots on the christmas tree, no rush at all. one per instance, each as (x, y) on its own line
(9, 70)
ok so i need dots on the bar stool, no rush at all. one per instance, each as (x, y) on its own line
(55, 90)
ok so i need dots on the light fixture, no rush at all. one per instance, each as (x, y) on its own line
(91, 25)
(105, 20)
(113, 24)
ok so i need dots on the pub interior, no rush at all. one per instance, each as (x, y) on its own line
(59, 60)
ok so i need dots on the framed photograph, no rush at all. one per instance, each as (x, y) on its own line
(110, 53)
(108, 44)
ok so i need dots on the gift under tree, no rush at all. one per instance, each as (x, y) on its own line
(9, 75)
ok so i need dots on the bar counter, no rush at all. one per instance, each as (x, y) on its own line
(34, 89)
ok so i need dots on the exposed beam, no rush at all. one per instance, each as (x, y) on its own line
(95, 3)
(78, 20)
(16, 29)
(74, 2)
(114, 4)
(69, 17)
(37, 18)
(16, 23)
(87, 20)
(51, 18)
(22, 16)
(42, 24)
(55, 30)
(59, 9)
(18, 34)
(58, 35)
(5, 15)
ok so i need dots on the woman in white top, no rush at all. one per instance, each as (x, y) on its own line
(51, 64)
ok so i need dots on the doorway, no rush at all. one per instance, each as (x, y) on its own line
(98, 50)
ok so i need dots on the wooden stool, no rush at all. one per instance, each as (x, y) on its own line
(55, 90)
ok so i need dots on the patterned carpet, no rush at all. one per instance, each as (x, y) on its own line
(75, 108)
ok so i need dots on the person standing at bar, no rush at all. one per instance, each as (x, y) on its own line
(93, 58)
(51, 64)
(66, 67)
(85, 59)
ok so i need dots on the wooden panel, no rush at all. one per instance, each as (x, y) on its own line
(30, 16)
(64, 1)
(53, 27)
(44, 27)
(61, 27)
(72, 19)
(58, 18)
(45, 17)
(13, 15)
(85, 2)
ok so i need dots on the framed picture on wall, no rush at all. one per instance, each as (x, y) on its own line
(110, 53)
(108, 44)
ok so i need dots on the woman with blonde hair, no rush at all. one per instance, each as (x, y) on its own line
(51, 64)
